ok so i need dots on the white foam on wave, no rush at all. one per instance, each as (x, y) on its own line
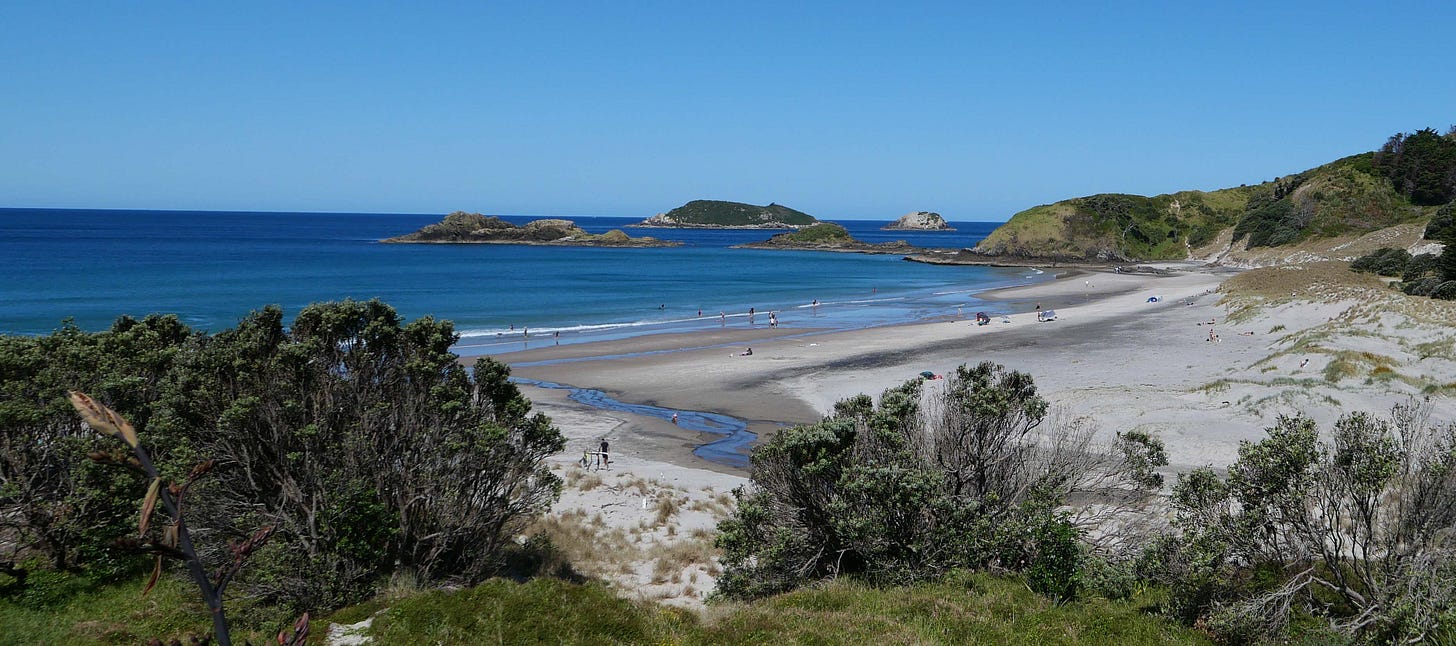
(483, 333)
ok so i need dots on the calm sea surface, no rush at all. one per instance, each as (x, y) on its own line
(212, 268)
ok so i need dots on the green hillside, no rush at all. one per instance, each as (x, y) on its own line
(718, 213)
(1405, 181)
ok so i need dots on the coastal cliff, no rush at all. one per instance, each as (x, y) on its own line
(718, 214)
(919, 221)
(473, 228)
(827, 236)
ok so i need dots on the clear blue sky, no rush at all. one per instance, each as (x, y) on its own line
(845, 110)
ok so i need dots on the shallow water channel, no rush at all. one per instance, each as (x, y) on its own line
(732, 450)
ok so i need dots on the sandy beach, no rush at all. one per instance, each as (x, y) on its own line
(1111, 355)
(1201, 366)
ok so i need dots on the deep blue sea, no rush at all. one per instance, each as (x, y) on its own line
(212, 268)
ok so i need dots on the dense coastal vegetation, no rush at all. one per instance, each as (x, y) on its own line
(465, 228)
(1407, 180)
(718, 214)
(357, 436)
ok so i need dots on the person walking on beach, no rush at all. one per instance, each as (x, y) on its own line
(604, 457)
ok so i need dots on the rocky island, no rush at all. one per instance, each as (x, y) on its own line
(919, 221)
(827, 236)
(473, 228)
(718, 214)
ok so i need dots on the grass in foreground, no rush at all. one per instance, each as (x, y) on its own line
(963, 609)
(67, 609)
(975, 609)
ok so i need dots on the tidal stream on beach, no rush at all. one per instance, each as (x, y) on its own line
(732, 450)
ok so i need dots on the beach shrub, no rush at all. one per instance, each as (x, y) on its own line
(368, 444)
(360, 436)
(1420, 266)
(54, 502)
(1384, 262)
(1445, 291)
(912, 487)
(1421, 286)
(1357, 528)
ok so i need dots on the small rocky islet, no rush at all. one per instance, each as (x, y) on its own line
(828, 236)
(473, 228)
(919, 221)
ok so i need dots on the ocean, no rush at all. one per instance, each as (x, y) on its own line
(212, 268)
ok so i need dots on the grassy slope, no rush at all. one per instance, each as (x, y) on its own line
(1339, 198)
(965, 609)
(62, 609)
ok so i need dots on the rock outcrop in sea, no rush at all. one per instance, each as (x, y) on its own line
(828, 236)
(919, 221)
(473, 228)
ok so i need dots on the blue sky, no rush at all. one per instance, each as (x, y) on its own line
(844, 110)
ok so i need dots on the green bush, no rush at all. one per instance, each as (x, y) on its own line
(896, 494)
(1258, 549)
(1445, 291)
(1269, 225)
(1384, 262)
(1443, 224)
(358, 435)
(1420, 266)
(54, 500)
(1421, 286)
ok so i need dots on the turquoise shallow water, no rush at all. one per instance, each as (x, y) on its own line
(211, 268)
